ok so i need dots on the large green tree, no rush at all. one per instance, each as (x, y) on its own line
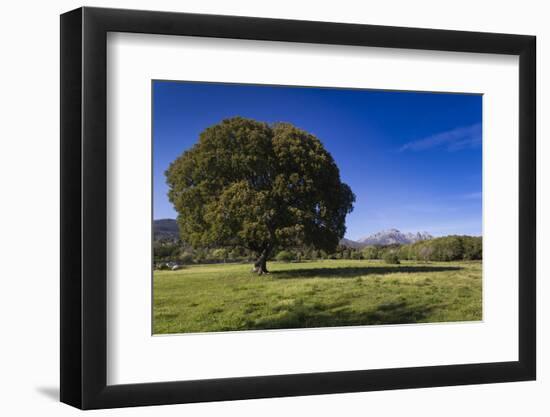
(260, 186)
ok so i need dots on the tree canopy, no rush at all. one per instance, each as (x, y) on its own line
(259, 186)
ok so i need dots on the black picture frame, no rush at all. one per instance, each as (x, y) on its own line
(84, 207)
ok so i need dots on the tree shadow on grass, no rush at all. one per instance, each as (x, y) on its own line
(300, 315)
(354, 272)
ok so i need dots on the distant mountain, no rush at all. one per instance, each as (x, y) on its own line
(387, 237)
(351, 244)
(165, 229)
(394, 237)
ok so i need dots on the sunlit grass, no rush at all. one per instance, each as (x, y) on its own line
(227, 297)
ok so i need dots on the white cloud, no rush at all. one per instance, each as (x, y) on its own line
(453, 140)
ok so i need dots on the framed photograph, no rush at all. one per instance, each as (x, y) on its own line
(259, 208)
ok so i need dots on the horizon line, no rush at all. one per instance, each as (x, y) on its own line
(381, 230)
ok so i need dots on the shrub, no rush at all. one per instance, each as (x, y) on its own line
(186, 258)
(220, 254)
(285, 256)
(447, 248)
(371, 252)
(391, 258)
(473, 248)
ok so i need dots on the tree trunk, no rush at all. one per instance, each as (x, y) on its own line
(260, 266)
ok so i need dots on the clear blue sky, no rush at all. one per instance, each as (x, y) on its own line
(413, 160)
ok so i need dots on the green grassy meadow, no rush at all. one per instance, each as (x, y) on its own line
(228, 297)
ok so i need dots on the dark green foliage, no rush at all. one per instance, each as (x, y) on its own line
(221, 254)
(258, 186)
(166, 250)
(473, 248)
(371, 252)
(285, 256)
(391, 258)
(448, 248)
(186, 258)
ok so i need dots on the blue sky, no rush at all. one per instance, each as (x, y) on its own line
(413, 160)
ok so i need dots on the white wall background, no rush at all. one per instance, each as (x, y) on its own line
(29, 177)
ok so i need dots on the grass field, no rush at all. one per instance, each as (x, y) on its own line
(226, 297)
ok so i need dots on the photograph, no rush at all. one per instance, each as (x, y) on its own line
(267, 206)
(291, 207)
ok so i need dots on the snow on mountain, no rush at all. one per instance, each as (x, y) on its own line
(390, 237)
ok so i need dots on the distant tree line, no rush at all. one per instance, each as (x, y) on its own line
(448, 248)
(442, 249)
(176, 252)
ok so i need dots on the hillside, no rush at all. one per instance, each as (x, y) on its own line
(165, 229)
